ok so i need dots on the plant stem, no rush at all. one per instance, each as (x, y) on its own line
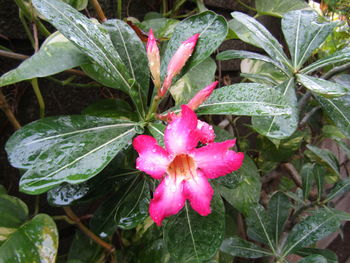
(153, 107)
(6, 109)
(99, 11)
(336, 70)
(293, 174)
(26, 28)
(39, 97)
(110, 248)
(119, 9)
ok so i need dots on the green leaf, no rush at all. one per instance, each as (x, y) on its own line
(56, 54)
(193, 81)
(251, 31)
(34, 241)
(162, 27)
(307, 178)
(278, 7)
(313, 259)
(84, 250)
(280, 127)
(327, 157)
(241, 188)
(250, 99)
(191, 237)
(233, 54)
(340, 188)
(157, 131)
(328, 254)
(2, 190)
(239, 247)
(212, 29)
(61, 149)
(338, 110)
(323, 87)
(77, 4)
(278, 212)
(338, 57)
(303, 34)
(315, 227)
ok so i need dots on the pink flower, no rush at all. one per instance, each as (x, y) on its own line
(153, 58)
(183, 169)
(178, 61)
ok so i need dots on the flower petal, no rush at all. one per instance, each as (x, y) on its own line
(199, 192)
(168, 199)
(181, 135)
(152, 159)
(205, 132)
(215, 159)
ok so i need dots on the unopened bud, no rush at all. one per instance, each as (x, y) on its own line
(201, 96)
(153, 58)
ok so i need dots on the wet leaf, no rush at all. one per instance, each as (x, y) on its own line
(157, 131)
(340, 188)
(77, 4)
(278, 7)
(249, 99)
(313, 259)
(191, 237)
(329, 255)
(327, 157)
(307, 178)
(162, 27)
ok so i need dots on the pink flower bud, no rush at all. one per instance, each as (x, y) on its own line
(201, 96)
(178, 61)
(153, 58)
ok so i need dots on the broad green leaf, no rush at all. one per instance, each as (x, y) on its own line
(61, 149)
(327, 254)
(278, 212)
(56, 54)
(251, 31)
(13, 213)
(162, 27)
(239, 247)
(340, 188)
(194, 80)
(313, 259)
(338, 57)
(279, 7)
(111, 108)
(327, 157)
(323, 87)
(303, 34)
(77, 4)
(250, 99)
(241, 188)
(319, 173)
(191, 237)
(34, 241)
(338, 110)
(310, 230)
(280, 127)
(233, 54)
(84, 250)
(307, 178)
(157, 131)
(212, 29)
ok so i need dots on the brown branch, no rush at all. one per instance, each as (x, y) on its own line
(99, 11)
(110, 248)
(6, 109)
(293, 173)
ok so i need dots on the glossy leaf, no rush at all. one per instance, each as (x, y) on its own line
(329, 255)
(157, 131)
(338, 110)
(278, 212)
(56, 54)
(251, 31)
(338, 57)
(193, 81)
(242, 188)
(313, 259)
(162, 27)
(303, 34)
(278, 7)
(212, 29)
(245, 99)
(233, 54)
(319, 173)
(280, 127)
(77, 4)
(322, 87)
(34, 241)
(191, 237)
(61, 149)
(340, 188)
(327, 157)
(310, 230)
(307, 178)
(239, 247)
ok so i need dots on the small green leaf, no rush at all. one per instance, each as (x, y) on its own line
(340, 188)
(251, 31)
(313, 259)
(157, 131)
(56, 54)
(303, 34)
(307, 178)
(34, 241)
(315, 227)
(327, 157)
(250, 99)
(191, 237)
(278, 7)
(212, 29)
(328, 254)
(238, 247)
(323, 87)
